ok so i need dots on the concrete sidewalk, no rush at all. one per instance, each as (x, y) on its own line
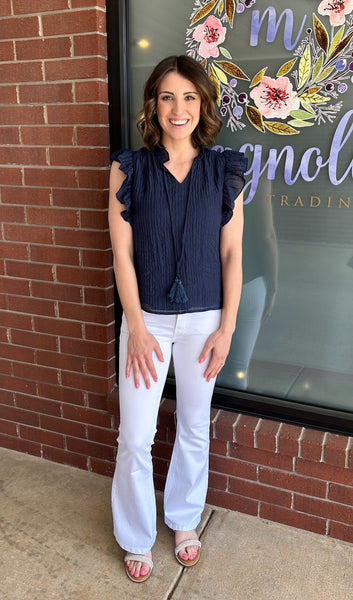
(57, 543)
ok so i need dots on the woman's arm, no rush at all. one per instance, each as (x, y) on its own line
(231, 258)
(141, 343)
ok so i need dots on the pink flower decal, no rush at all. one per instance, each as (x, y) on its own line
(336, 10)
(210, 34)
(275, 97)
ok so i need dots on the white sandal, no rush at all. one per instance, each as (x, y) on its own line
(184, 544)
(139, 558)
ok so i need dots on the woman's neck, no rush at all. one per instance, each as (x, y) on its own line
(180, 150)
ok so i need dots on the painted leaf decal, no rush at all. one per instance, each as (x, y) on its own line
(299, 123)
(231, 69)
(215, 82)
(320, 33)
(257, 78)
(280, 128)
(220, 7)
(342, 45)
(230, 8)
(286, 67)
(313, 90)
(204, 11)
(304, 66)
(306, 106)
(204, 63)
(325, 74)
(225, 52)
(303, 115)
(255, 117)
(336, 40)
(317, 67)
(221, 75)
(313, 98)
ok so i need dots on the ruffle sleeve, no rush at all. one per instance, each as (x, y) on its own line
(235, 167)
(126, 160)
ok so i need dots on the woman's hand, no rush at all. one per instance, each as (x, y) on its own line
(218, 345)
(141, 346)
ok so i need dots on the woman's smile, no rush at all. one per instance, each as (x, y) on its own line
(178, 106)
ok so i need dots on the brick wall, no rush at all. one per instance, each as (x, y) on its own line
(56, 291)
(57, 395)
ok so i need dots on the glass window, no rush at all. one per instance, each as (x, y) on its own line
(284, 72)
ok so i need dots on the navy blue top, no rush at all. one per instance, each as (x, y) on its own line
(159, 208)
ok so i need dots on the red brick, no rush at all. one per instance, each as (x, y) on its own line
(7, 398)
(219, 447)
(86, 348)
(64, 426)
(324, 508)
(101, 435)
(20, 445)
(100, 259)
(42, 437)
(99, 333)
(57, 217)
(13, 250)
(91, 314)
(289, 440)
(60, 361)
(223, 425)
(42, 48)
(13, 28)
(94, 219)
(8, 96)
(46, 93)
(56, 291)
(33, 306)
(14, 286)
(7, 54)
(59, 256)
(160, 466)
(5, 8)
(299, 520)
(26, 195)
(257, 491)
(89, 178)
(86, 415)
(61, 394)
(82, 22)
(94, 114)
(341, 493)
(236, 468)
(80, 198)
(12, 214)
(5, 366)
(101, 368)
(266, 435)
(17, 353)
(64, 457)
(217, 481)
(50, 177)
(324, 471)
(36, 373)
(16, 72)
(10, 135)
(91, 135)
(311, 445)
(293, 482)
(8, 428)
(102, 467)
(58, 327)
(38, 6)
(166, 413)
(11, 176)
(245, 430)
(47, 136)
(82, 239)
(162, 450)
(29, 270)
(98, 297)
(34, 340)
(261, 457)
(9, 319)
(88, 3)
(76, 68)
(18, 415)
(28, 233)
(335, 450)
(342, 532)
(83, 157)
(22, 155)
(38, 405)
(90, 45)
(90, 449)
(17, 384)
(232, 502)
(91, 91)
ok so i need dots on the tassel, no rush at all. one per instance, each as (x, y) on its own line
(177, 292)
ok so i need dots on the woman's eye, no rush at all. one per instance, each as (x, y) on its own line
(188, 98)
(166, 98)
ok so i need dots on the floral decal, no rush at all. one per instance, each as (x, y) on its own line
(306, 90)
(210, 34)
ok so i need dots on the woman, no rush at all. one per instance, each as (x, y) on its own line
(177, 258)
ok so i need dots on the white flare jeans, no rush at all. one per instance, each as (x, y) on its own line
(133, 496)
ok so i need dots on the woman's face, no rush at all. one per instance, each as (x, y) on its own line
(178, 107)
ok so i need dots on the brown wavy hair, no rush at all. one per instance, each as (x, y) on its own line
(210, 123)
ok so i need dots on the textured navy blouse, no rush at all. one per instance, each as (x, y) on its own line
(176, 226)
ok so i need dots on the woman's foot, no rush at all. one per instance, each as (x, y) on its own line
(188, 553)
(139, 570)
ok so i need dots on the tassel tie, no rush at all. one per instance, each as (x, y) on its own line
(177, 292)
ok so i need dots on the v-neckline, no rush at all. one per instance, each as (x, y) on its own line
(162, 156)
